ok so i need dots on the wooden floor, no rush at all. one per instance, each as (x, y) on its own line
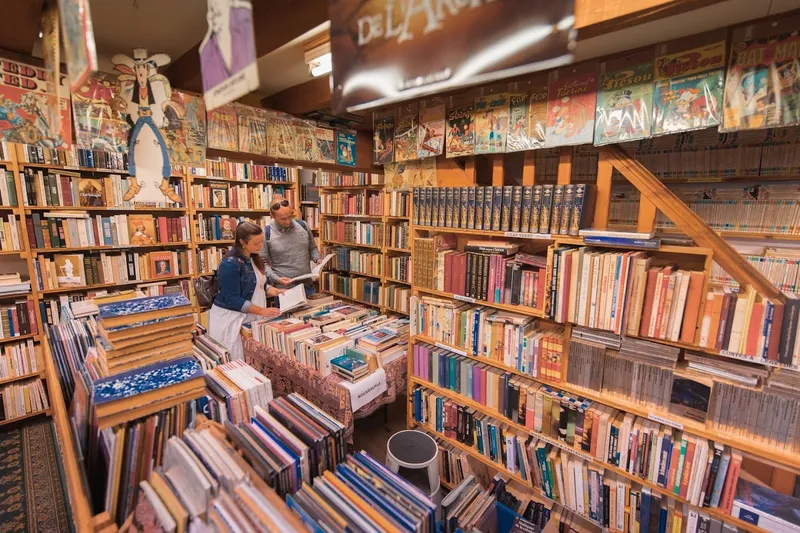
(371, 434)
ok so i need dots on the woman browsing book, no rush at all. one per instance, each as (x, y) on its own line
(243, 290)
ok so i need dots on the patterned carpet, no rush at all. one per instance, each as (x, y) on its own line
(32, 496)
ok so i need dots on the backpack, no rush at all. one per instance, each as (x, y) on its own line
(268, 229)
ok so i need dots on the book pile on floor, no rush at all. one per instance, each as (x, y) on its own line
(235, 389)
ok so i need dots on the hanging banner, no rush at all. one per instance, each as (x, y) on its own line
(52, 64)
(79, 47)
(98, 126)
(386, 51)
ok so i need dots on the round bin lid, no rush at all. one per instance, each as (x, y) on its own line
(412, 447)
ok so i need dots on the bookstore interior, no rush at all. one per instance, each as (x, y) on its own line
(400, 265)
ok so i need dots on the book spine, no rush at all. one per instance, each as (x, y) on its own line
(545, 209)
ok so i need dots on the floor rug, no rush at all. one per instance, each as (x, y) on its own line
(32, 496)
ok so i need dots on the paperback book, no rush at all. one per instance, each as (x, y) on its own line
(460, 132)
(571, 110)
(491, 123)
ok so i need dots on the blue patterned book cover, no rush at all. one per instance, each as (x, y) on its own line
(146, 379)
(351, 361)
(142, 305)
(146, 323)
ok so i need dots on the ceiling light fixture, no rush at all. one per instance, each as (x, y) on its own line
(318, 57)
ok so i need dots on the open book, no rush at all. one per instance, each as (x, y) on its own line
(292, 298)
(314, 271)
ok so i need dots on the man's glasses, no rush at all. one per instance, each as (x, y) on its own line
(278, 205)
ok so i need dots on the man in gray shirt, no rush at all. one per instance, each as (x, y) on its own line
(289, 247)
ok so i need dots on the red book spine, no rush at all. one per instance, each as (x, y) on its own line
(461, 269)
(647, 307)
(31, 234)
(32, 317)
(448, 273)
(540, 294)
(731, 480)
(775, 331)
(754, 329)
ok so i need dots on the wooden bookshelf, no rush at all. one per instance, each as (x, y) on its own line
(8, 421)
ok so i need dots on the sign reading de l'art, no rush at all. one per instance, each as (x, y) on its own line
(386, 51)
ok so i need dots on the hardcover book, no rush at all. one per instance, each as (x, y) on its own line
(69, 270)
(145, 379)
(571, 110)
(460, 136)
(491, 123)
(528, 117)
(305, 144)
(405, 133)
(252, 123)
(141, 230)
(90, 192)
(280, 136)
(383, 138)
(346, 148)
(140, 306)
(326, 145)
(227, 228)
(162, 265)
(219, 195)
(431, 128)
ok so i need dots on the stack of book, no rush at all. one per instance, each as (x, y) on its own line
(235, 389)
(361, 203)
(365, 290)
(209, 258)
(223, 196)
(13, 283)
(354, 232)
(19, 359)
(454, 464)
(17, 319)
(10, 234)
(348, 179)
(8, 190)
(20, 399)
(352, 365)
(398, 236)
(399, 203)
(209, 352)
(235, 170)
(223, 227)
(400, 268)
(397, 297)
(357, 261)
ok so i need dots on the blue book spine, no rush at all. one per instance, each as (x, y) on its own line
(644, 511)
(475, 323)
(492, 443)
(650, 244)
(719, 482)
(662, 520)
(442, 368)
(452, 373)
(767, 328)
(439, 415)
(663, 461)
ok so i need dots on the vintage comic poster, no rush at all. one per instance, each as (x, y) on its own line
(402, 176)
(228, 52)
(223, 128)
(252, 124)
(688, 89)
(405, 132)
(23, 107)
(79, 47)
(431, 128)
(624, 104)
(51, 53)
(570, 110)
(98, 126)
(460, 136)
(280, 136)
(326, 145)
(186, 134)
(346, 148)
(491, 123)
(305, 145)
(383, 137)
(527, 118)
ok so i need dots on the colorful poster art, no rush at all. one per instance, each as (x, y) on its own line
(570, 110)
(326, 145)
(186, 134)
(688, 89)
(431, 128)
(228, 52)
(51, 53)
(280, 136)
(79, 47)
(98, 126)
(222, 128)
(460, 136)
(383, 137)
(24, 116)
(252, 130)
(402, 176)
(305, 145)
(346, 148)
(527, 119)
(405, 132)
(624, 105)
(491, 123)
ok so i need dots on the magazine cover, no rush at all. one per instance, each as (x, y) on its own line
(688, 89)
(405, 132)
(252, 125)
(383, 137)
(431, 128)
(346, 148)
(570, 110)
(491, 123)
(186, 134)
(624, 105)
(326, 147)
(98, 126)
(280, 136)
(222, 128)
(460, 137)
(305, 145)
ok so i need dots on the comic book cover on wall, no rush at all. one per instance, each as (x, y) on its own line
(431, 128)
(763, 85)
(346, 148)
(460, 135)
(305, 145)
(624, 104)
(383, 137)
(688, 89)
(491, 123)
(97, 125)
(570, 110)
(401, 176)
(252, 124)
(223, 128)
(186, 134)
(280, 136)
(23, 107)
(326, 145)
(528, 118)
(405, 132)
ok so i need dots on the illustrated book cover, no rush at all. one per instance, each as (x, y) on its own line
(326, 145)
(305, 144)
(570, 110)
(383, 137)
(528, 118)
(346, 148)
(90, 192)
(624, 104)
(491, 123)
(141, 230)
(460, 135)
(431, 128)
(405, 132)
(162, 265)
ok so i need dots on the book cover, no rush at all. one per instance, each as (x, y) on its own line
(689, 398)
(383, 138)
(141, 230)
(145, 379)
(222, 128)
(141, 305)
(90, 192)
(69, 270)
(219, 195)
(431, 128)
(280, 136)
(227, 228)
(304, 142)
(624, 104)
(405, 133)
(688, 89)
(252, 124)
(162, 265)
(571, 110)
(460, 137)
(491, 123)
(754, 501)
(346, 148)
(326, 145)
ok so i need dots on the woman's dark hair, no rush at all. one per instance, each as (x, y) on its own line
(244, 232)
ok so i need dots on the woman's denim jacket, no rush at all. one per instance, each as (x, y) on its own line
(237, 283)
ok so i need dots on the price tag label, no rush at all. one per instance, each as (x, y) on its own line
(463, 298)
(567, 448)
(449, 349)
(520, 235)
(666, 422)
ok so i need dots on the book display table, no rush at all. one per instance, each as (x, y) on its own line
(289, 376)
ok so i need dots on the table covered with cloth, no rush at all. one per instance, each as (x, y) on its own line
(288, 375)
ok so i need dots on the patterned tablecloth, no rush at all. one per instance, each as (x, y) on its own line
(289, 376)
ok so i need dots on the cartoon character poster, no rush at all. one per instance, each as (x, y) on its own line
(383, 137)
(491, 123)
(98, 126)
(527, 119)
(346, 148)
(24, 114)
(280, 136)
(79, 47)
(688, 89)
(405, 132)
(402, 176)
(326, 145)
(304, 141)
(570, 110)
(460, 136)
(624, 104)
(185, 131)
(222, 128)
(252, 123)
(430, 141)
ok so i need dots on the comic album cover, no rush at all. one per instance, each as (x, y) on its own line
(528, 118)
(431, 128)
(252, 123)
(405, 132)
(624, 104)
(460, 137)
(280, 136)
(383, 137)
(491, 123)
(570, 110)
(222, 127)
(326, 145)
(305, 145)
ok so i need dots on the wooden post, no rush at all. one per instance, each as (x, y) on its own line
(647, 216)
(565, 165)
(498, 172)
(529, 168)
(603, 201)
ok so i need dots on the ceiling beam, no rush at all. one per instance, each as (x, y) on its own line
(23, 19)
(309, 96)
(275, 23)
